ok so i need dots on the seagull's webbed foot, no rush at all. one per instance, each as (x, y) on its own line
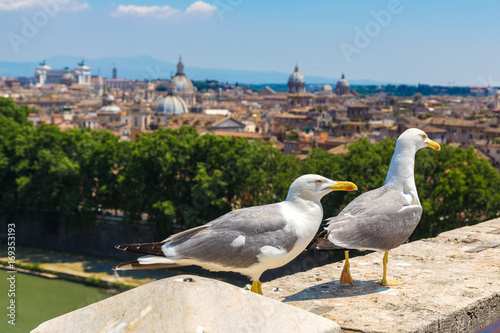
(256, 287)
(346, 277)
(384, 281)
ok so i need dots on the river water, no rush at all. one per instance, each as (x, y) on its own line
(38, 299)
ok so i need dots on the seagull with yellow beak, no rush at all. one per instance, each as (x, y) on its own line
(248, 241)
(384, 218)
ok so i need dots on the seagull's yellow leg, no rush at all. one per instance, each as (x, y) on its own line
(346, 277)
(257, 287)
(384, 281)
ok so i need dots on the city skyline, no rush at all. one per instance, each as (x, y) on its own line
(391, 41)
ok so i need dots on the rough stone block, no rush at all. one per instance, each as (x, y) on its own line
(188, 304)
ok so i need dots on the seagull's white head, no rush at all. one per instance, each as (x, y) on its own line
(414, 139)
(314, 187)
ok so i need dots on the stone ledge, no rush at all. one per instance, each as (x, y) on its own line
(452, 284)
(188, 304)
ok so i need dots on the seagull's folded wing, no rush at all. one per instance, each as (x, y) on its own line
(234, 239)
(377, 220)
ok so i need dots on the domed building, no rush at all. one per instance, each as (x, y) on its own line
(326, 89)
(170, 106)
(68, 79)
(296, 82)
(343, 86)
(44, 74)
(181, 85)
(109, 112)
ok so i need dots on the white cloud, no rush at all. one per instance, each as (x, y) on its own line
(66, 5)
(145, 11)
(197, 7)
(201, 7)
(74, 6)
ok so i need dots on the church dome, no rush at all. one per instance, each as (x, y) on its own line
(343, 86)
(180, 83)
(327, 88)
(296, 82)
(110, 109)
(171, 105)
(296, 77)
(343, 82)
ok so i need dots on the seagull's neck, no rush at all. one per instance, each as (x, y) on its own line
(401, 172)
(298, 201)
(304, 216)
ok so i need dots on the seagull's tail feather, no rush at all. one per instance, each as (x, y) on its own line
(147, 262)
(321, 243)
(143, 248)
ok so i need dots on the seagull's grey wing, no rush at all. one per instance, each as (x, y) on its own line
(234, 239)
(378, 220)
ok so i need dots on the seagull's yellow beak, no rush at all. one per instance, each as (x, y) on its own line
(343, 186)
(433, 144)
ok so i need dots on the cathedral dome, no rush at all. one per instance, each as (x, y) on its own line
(110, 109)
(343, 86)
(296, 82)
(171, 105)
(296, 77)
(180, 83)
(327, 88)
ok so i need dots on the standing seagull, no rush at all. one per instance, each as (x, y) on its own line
(248, 241)
(384, 218)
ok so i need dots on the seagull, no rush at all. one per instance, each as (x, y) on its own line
(384, 218)
(248, 241)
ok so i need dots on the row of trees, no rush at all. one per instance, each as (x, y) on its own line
(181, 179)
(404, 90)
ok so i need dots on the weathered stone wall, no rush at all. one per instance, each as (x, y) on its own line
(452, 284)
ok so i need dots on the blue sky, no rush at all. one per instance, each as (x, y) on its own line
(406, 41)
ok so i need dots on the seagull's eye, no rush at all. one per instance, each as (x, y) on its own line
(424, 135)
(319, 181)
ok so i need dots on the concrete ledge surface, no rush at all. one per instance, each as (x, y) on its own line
(452, 284)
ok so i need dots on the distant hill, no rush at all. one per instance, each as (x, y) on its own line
(146, 67)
